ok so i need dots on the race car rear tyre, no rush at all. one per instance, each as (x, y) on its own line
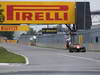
(83, 50)
(70, 50)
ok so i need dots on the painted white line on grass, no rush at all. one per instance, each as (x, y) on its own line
(15, 64)
(79, 57)
(26, 58)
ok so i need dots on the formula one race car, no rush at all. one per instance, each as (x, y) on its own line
(76, 48)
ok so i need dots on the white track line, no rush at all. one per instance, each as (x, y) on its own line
(4, 64)
(79, 57)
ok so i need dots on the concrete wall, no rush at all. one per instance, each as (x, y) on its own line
(58, 40)
(53, 40)
(92, 46)
(24, 39)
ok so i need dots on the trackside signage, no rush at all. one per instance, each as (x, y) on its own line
(37, 12)
(14, 28)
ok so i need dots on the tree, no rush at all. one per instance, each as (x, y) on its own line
(7, 34)
(31, 31)
(1, 16)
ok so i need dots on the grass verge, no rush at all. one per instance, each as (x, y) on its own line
(9, 57)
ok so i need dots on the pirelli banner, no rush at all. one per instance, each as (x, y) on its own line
(31, 12)
(14, 28)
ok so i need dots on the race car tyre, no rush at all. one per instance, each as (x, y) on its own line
(71, 50)
(83, 50)
(77, 50)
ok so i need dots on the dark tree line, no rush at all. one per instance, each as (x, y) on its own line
(7, 34)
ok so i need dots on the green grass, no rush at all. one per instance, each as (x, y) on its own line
(8, 57)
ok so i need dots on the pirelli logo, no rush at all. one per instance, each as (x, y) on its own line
(39, 13)
(39, 16)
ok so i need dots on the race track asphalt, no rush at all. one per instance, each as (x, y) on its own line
(46, 61)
